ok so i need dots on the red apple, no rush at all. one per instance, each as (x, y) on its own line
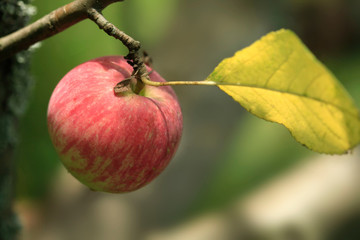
(113, 142)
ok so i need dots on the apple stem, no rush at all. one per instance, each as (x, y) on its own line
(147, 81)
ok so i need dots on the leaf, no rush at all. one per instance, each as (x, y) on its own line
(278, 79)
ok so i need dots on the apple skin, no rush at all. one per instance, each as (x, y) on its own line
(110, 142)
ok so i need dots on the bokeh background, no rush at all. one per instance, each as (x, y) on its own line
(234, 176)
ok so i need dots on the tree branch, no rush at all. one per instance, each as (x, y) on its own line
(49, 25)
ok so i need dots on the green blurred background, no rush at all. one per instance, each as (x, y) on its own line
(225, 152)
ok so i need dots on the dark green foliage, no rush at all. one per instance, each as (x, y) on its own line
(15, 84)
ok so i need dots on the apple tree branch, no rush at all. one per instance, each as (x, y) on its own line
(64, 17)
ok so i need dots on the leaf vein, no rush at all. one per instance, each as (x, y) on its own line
(279, 67)
(304, 118)
(323, 122)
(294, 80)
(312, 82)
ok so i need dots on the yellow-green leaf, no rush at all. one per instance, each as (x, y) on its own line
(278, 79)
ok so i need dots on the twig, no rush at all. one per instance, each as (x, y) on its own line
(134, 58)
(96, 16)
